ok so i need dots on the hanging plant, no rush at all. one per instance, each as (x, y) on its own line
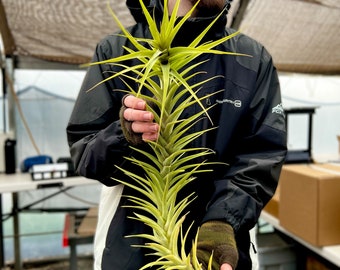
(165, 71)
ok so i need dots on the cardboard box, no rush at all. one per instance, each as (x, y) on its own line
(310, 202)
(272, 206)
(89, 223)
(314, 262)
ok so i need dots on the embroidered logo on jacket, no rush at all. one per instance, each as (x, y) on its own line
(278, 109)
(237, 103)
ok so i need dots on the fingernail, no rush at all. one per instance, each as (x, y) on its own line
(147, 116)
(155, 128)
(141, 105)
(154, 137)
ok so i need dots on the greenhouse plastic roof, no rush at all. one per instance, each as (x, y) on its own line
(302, 35)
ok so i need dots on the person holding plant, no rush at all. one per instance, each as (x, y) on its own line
(245, 125)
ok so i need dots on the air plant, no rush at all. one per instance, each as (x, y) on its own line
(170, 165)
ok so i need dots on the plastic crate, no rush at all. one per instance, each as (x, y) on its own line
(274, 253)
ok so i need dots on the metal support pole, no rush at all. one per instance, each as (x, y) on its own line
(16, 225)
(2, 254)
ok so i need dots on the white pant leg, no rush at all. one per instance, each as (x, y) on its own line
(253, 253)
(108, 204)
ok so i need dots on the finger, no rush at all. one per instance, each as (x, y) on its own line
(137, 115)
(226, 266)
(150, 136)
(131, 101)
(144, 127)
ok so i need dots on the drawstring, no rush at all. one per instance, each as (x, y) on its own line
(253, 246)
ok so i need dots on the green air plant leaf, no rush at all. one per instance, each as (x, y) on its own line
(170, 164)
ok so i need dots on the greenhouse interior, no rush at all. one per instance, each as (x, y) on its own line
(61, 210)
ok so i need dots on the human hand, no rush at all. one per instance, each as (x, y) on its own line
(226, 266)
(137, 122)
(217, 238)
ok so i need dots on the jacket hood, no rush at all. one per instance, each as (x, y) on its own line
(136, 9)
(193, 26)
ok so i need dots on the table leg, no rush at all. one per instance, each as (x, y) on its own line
(2, 254)
(17, 248)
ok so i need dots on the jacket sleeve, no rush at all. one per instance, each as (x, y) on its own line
(94, 135)
(256, 153)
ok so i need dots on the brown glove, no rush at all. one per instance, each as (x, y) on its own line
(132, 137)
(217, 238)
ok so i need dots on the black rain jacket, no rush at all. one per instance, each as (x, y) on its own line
(250, 138)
